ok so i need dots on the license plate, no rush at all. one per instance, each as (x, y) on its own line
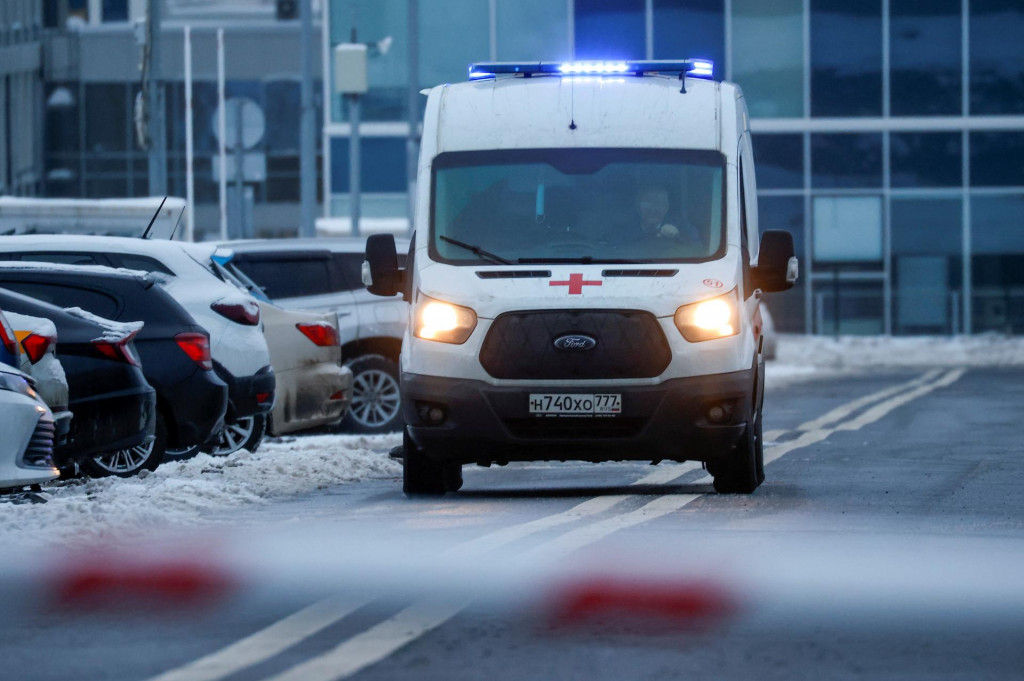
(572, 404)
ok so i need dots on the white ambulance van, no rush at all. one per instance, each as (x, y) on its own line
(586, 274)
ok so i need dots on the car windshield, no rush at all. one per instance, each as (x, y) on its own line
(577, 205)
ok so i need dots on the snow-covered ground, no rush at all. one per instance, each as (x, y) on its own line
(197, 491)
(190, 492)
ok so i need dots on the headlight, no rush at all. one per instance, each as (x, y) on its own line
(18, 385)
(444, 322)
(713, 318)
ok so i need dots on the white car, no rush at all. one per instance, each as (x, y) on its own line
(26, 448)
(586, 279)
(37, 348)
(323, 275)
(232, 318)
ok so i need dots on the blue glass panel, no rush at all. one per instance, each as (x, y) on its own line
(787, 213)
(924, 56)
(997, 224)
(779, 160)
(690, 28)
(926, 159)
(610, 29)
(768, 56)
(383, 161)
(846, 160)
(533, 29)
(997, 159)
(846, 58)
(926, 226)
(997, 56)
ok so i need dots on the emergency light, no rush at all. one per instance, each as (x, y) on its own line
(694, 68)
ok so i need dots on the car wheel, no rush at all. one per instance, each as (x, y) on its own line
(245, 433)
(181, 454)
(125, 463)
(376, 402)
(743, 470)
(421, 475)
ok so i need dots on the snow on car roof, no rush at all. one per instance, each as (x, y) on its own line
(39, 266)
(347, 244)
(112, 331)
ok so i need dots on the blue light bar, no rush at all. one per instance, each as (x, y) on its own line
(695, 68)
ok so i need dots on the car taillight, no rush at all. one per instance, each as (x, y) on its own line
(197, 347)
(36, 345)
(119, 350)
(321, 333)
(246, 312)
(7, 338)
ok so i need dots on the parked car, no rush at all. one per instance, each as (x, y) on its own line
(8, 343)
(238, 350)
(324, 275)
(113, 405)
(26, 447)
(37, 354)
(173, 349)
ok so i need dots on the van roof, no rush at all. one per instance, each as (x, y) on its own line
(619, 112)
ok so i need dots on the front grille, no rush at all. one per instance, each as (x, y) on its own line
(39, 451)
(513, 274)
(520, 345)
(574, 428)
(639, 273)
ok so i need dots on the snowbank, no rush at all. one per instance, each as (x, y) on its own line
(192, 492)
(813, 357)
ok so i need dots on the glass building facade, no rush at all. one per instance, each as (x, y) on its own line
(888, 134)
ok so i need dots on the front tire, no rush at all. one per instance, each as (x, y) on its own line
(743, 471)
(421, 475)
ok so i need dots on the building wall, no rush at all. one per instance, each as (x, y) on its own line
(888, 133)
(20, 96)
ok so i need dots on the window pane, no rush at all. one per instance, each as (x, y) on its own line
(926, 159)
(997, 224)
(690, 28)
(996, 159)
(453, 34)
(846, 160)
(847, 228)
(925, 48)
(106, 117)
(532, 29)
(288, 278)
(926, 226)
(610, 29)
(383, 160)
(284, 113)
(63, 258)
(100, 304)
(923, 299)
(349, 267)
(786, 212)
(779, 160)
(997, 57)
(846, 58)
(850, 308)
(387, 74)
(768, 56)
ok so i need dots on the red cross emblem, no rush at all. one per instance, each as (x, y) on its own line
(575, 284)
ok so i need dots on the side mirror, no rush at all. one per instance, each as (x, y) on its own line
(777, 266)
(380, 270)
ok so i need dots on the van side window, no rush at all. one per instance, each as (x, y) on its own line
(744, 236)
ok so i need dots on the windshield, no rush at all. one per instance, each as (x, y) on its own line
(577, 205)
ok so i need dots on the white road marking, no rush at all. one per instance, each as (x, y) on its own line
(385, 638)
(266, 643)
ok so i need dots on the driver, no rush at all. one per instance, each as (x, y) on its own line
(652, 210)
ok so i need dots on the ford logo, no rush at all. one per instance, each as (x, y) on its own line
(575, 342)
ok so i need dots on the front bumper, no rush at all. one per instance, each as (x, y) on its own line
(669, 421)
(248, 395)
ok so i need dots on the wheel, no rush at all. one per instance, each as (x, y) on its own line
(125, 463)
(743, 471)
(421, 475)
(376, 405)
(181, 454)
(245, 433)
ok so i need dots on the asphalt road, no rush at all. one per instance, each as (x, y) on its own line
(869, 545)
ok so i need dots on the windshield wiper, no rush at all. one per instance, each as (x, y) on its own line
(486, 255)
(583, 260)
